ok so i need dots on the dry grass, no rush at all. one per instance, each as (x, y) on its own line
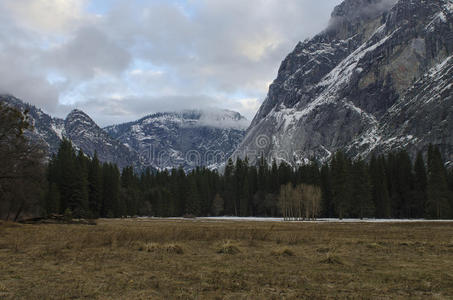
(188, 259)
(283, 252)
(228, 247)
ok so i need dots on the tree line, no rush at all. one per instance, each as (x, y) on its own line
(386, 186)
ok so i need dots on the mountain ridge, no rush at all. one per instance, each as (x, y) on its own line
(334, 91)
(206, 136)
(190, 138)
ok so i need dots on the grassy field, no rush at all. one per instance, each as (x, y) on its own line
(178, 259)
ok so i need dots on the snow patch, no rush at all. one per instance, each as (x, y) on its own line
(58, 130)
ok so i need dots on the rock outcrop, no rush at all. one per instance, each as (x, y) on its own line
(377, 79)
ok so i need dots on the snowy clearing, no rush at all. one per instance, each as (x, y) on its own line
(321, 220)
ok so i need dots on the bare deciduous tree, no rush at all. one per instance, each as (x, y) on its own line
(302, 202)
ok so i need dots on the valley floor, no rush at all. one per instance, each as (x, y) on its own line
(226, 259)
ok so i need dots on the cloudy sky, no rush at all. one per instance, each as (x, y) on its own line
(119, 60)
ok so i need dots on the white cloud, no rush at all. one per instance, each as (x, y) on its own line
(148, 56)
(46, 16)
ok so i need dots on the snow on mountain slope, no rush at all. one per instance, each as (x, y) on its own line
(377, 79)
(80, 129)
(187, 139)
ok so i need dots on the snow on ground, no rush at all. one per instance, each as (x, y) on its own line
(323, 220)
(257, 219)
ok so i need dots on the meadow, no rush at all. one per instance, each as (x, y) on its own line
(214, 259)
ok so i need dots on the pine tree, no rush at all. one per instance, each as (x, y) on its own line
(52, 202)
(229, 188)
(78, 202)
(129, 191)
(379, 190)
(274, 181)
(391, 172)
(404, 185)
(111, 191)
(53, 199)
(326, 188)
(341, 185)
(420, 186)
(253, 188)
(244, 198)
(193, 203)
(181, 191)
(95, 186)
(362, 203)
(66, 174)
(437, 206)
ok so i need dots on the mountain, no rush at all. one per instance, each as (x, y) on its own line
(163, 140)
(80, 129)
(89, 137)
(379, 78)
(188, 139)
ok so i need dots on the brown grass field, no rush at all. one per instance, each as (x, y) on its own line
(189, 259)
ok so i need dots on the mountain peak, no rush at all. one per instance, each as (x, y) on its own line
(216, 118)
(353, 9)
(79, 118)
(378, 79)
(188, 138)
(78, 112)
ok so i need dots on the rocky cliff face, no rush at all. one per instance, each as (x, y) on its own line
(80, 129)
(89, 137)
(377, 79)
(187, 139)
(163, 140)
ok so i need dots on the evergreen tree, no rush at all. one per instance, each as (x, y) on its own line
(437, 205)
(52, 202)
(341, 185)
(95, 186)
(420, 186)
(379, 190)
(66, 174)
(78, 202)
(53, 199)
(253, 187)
(326, 188)
(193, 204)
(274, 181)
(391, 171)
(362, 203)
(244, 197)
(403, 185)
(111, 206)
(229, 189)
(217, 205)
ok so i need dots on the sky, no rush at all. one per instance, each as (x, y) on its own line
(119, 60)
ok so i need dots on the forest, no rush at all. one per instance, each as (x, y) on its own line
(70, 182)
(390, 186)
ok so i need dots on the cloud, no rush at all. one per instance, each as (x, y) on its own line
(88, 53)
(355, 9)
(136, 57)
(45, 16)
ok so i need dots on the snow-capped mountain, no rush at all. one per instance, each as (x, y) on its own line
(163, 140)
(379, 78)
(89, 137)
(80, 129)
(48, 130)
(187, 139)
